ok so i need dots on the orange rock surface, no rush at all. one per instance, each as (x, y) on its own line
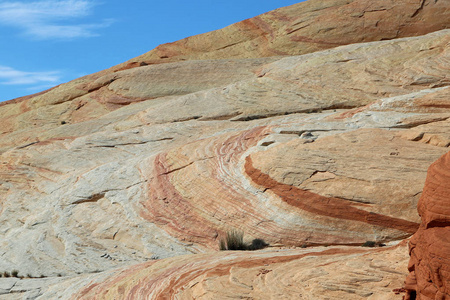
(309, 126)
(429, 265)
(311, 273)
(307, 27)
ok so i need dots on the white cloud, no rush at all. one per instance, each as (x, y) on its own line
(48, 19)
(10, 76)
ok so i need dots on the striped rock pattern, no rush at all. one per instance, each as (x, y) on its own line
(306, 27)
(281, 274)
(311, 125)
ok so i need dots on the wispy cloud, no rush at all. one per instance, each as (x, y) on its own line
(11, 76)
(50, 19)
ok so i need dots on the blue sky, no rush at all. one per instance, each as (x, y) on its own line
(48, 42)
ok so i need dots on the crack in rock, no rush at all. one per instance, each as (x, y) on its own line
(93, 198)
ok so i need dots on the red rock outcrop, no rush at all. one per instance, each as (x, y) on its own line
(429, 265)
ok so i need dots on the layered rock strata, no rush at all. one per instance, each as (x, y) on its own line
(306, 27)
(311, 273)
(161, 156)
(168, 176)
(429, 265)
(294, 30)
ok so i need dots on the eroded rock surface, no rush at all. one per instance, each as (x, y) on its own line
(296, 141)
(311, 273)
(307, 27)
(429, 265)
(294, 30)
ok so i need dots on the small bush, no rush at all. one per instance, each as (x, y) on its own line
(369, 244)
(257, 244)
(6, 274)
(222, 245)
(235, 241)
(15, 273)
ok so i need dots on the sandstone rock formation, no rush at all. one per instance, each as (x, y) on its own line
(298, 29)
(299, 142)
(267, 274)
(429, 266)
(307, 27)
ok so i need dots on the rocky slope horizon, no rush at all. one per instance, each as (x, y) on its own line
(311, 127)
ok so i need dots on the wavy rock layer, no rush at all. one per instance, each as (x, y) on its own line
(162, 157)
(429, 265)
(267, 274)
(294, 30)
(278, 154)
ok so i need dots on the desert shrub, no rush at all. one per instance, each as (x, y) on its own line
(257, 244)
(15, 273)
(369, 244)
(234, 240)
(223, 245)
(6, 274)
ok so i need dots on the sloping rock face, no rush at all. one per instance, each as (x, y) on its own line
(429, 266)
(307, 27)
(267, 274)
(160, 157)
(298, 29)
